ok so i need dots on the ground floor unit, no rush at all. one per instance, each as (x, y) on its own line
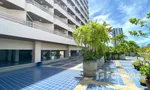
(16, 51)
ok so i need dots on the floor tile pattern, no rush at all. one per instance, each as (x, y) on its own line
(96, 87)
(40, 79)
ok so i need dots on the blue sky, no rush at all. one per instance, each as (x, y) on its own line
(118, 12)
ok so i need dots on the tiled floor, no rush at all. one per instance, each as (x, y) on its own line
(96, 87)
(114, 79)
(136, 81)
(53, 78)
(40, 79)
(131, 70)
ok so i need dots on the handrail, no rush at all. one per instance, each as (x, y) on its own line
(60, 19)
(71, 15)
(39, 6)
(28, 23)
(57, 2)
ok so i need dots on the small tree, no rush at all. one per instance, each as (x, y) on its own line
(93, 36)
(132, 46)
(142, 23)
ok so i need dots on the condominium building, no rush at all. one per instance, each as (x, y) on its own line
(116, 32)
(32, 31)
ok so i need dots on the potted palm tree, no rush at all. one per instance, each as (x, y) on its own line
(145, 71)
(93, 37)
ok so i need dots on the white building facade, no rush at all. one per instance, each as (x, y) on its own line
(32, 31)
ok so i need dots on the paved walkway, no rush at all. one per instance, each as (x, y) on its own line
(68, 75)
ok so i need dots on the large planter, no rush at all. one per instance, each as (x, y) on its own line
(100, 62)
(90, 68)
(148, 83)
(122, 56)
(116, 56)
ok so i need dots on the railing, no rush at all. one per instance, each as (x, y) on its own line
(77, 5)
(60, 19)
(63, 7)
(39, 6)
(71, 15)
(61, 33)
(28, 23)
(71, 5)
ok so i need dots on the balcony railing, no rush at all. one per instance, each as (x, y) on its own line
(71, 15)
(39, 6)
(61, 33)
(60, 19)
(62, 6)
(28, 23)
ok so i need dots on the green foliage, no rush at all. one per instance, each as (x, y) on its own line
(93, 36)
(137, 63)
(122, 46)
(143, 81)
(145, 70)
(88, 54)
(141, 23)
(132, 46)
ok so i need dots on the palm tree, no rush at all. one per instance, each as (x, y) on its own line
(122, 43)
(92, 35)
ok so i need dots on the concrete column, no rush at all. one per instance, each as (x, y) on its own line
(37, 52)
(9, 55)
(16, 55)
(67, 52)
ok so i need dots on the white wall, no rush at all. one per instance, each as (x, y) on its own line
(17, 13)
(39, 12)
(50, 2)
(23, 31)
(74, 48)
(20, 3)
(60, 23)
(20, 14)
(48, 46)
(48, 26)
(15, 44)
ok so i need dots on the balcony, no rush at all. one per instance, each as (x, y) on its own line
(61, 8)
(28, 24)
(79, 9)
(73, 19)
(47, 10)
(11, 4)
(60, 22)
(51, 2)
(71, 28)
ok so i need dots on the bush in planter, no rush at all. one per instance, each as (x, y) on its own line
(94, 37)
(145, 71)
(143, 82)
(137, 64)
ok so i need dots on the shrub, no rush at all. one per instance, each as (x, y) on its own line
(145, 71)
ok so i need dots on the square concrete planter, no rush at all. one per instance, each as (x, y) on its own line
(122, 56)
(90, 68)
(101, 62)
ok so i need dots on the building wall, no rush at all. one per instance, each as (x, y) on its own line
(39, 33)
(15, 44)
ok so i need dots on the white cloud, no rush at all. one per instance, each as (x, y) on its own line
(94, 11)
(144, 40)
